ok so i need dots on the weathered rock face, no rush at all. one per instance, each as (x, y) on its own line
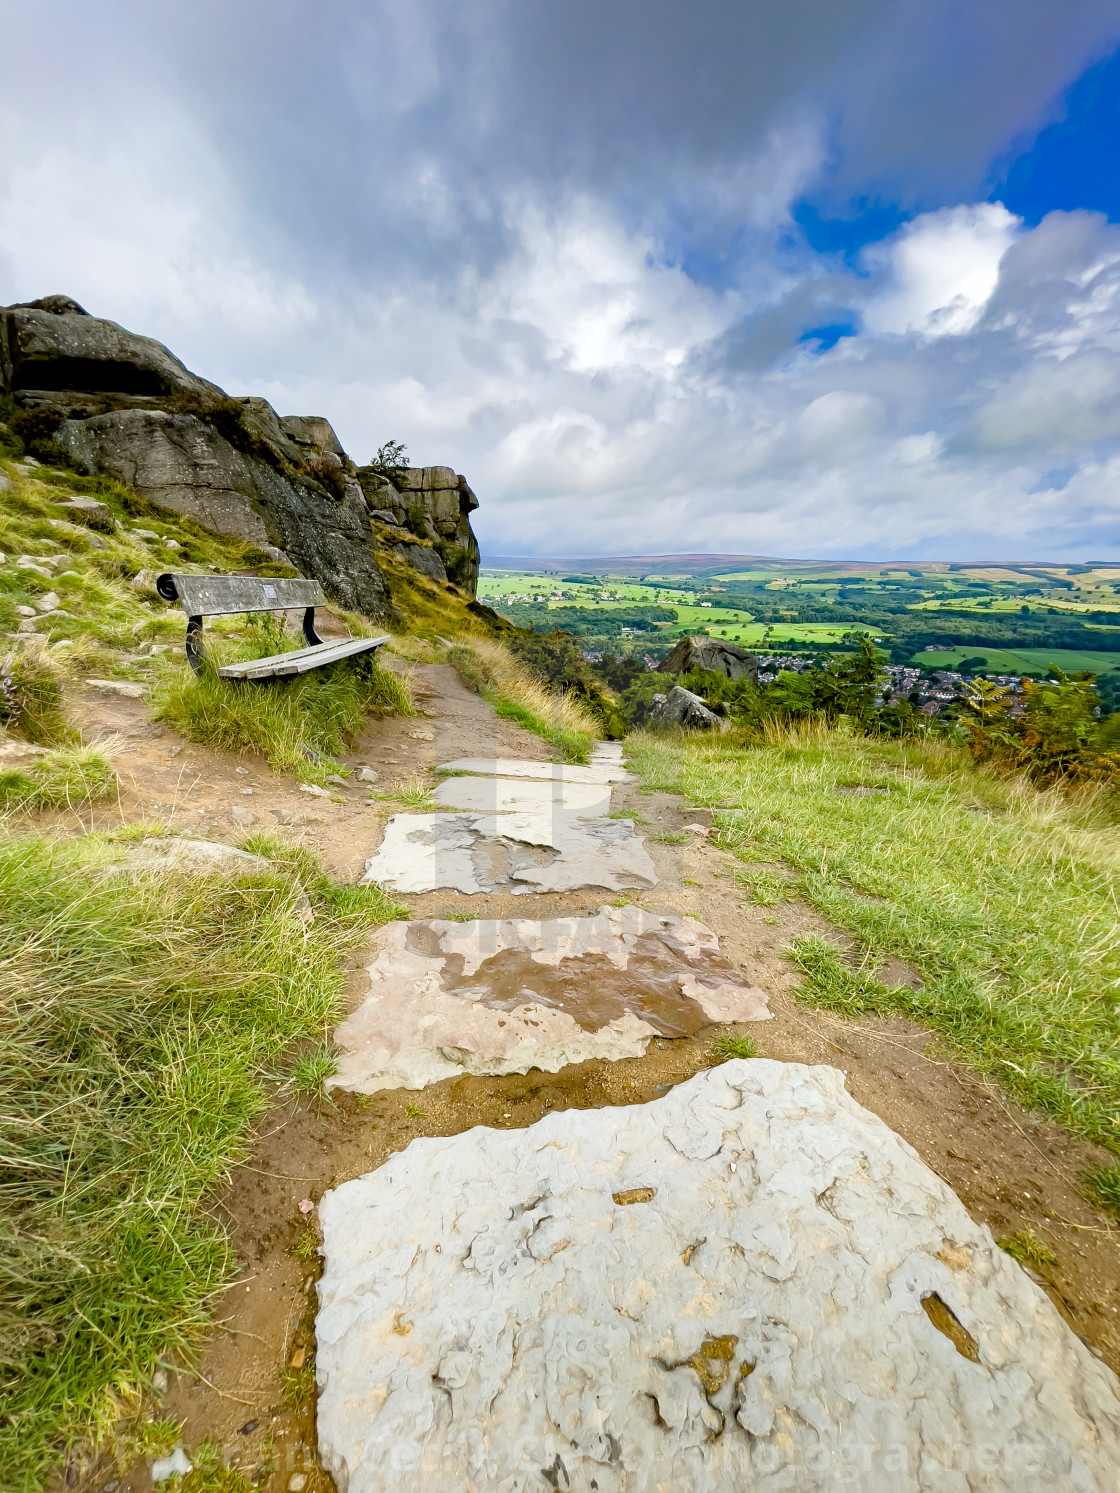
(433, 504)
(750, 1283)
(182, 462)
(680, 708)
(123, 406)
(715, 654)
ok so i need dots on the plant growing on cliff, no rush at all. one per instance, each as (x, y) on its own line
(391, 462)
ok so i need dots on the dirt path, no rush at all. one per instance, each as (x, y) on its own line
(255, 1394)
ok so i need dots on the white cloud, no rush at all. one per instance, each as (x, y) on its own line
(941, 270)
(605, 384)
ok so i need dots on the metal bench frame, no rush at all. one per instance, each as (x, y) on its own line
(228, 595)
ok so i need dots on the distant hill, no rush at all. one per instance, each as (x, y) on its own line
(620, 565)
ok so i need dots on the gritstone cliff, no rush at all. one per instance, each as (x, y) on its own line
(122, 406)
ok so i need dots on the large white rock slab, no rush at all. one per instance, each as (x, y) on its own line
(542, 850)
(735, 1287)
(504, 996)
(607, 769)
(510, 795)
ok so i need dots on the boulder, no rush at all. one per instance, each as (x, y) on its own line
(681, 709)
(422, 558)
(90, 512)
(714, 654)
(53, 344)
(751, 1283)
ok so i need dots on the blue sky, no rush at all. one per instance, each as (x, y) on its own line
(830, 278)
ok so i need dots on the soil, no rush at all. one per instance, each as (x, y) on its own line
(251, 1389)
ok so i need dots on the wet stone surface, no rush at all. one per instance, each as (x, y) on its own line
(501, 996)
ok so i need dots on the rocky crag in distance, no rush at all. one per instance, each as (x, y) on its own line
(122, 406)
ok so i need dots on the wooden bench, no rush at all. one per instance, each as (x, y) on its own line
(226, 595)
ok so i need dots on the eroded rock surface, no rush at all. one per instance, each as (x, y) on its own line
(505, 996)
(508, 795)
(751, 1283)
(541, 850)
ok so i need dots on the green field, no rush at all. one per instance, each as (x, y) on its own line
(1035, 661)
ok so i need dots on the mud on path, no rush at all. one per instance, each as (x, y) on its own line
(254, 1392)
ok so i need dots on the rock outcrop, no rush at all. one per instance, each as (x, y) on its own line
(123, 406)
(680, 708)
(714, 654)
(749, 1283)
(431, 505)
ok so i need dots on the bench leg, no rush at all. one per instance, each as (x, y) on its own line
(196, 654)
(311, 637)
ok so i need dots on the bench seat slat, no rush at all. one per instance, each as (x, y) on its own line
(301, 660)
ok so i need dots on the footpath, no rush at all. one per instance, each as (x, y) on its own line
(542, 1237)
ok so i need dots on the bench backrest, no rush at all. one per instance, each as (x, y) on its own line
(222, 595)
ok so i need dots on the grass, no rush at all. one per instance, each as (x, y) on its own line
(1104, 1188)
(64, 779)
(727, 1046)
(309, 1074)
(1035, 661)
(519, 695)
(1001, 897)
(139, 1025)
(300, 724)
(1028, 1248)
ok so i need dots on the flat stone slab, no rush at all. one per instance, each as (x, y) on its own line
(539, 851)
(605, 771)
(752, 1283)
(511, 795)
(492, 996)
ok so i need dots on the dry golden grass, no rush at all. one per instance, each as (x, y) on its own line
(518, 694)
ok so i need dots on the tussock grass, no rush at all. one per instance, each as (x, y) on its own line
(66, 779)
(517, 694)
(1026, 1247)
(727, 1045)
(1001, 897)
(298, 724)
(139, 1023)
(1104, 1188)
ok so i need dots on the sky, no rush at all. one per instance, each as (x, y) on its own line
(827, 278)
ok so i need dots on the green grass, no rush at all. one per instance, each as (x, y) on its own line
(1028, 1248)
(1034, 661)
(69, 778)
(727, 1046)
(139, 1025)
(1104, 1188)
(310, 1071)
(299, 725)
(1000, 897)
